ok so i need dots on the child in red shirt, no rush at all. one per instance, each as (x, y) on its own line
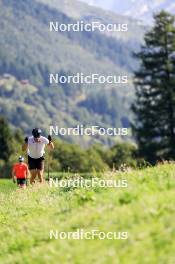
(20, 172)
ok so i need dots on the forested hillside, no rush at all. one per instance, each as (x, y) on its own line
(28, 51)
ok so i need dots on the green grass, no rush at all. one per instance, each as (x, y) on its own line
(146, 210)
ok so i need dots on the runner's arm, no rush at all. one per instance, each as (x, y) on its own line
(13, 175)
(27, 173)
(25, 145)
(50, 145)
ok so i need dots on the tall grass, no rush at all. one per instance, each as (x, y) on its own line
(146, 210)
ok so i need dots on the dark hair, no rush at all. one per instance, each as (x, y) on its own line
(36, 132)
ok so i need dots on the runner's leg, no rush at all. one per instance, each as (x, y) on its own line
(23, 186)
(40, 170)
(33, 176)
(41, 175)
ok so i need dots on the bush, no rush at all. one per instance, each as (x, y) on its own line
(74, 159)
(122, 153)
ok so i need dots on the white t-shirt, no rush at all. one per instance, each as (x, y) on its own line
(36, 149)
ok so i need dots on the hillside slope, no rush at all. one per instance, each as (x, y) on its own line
(29, 51)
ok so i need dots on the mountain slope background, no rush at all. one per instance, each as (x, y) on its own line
(138, 9)
(29, 51)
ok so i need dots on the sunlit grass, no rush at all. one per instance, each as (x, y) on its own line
(146, 210)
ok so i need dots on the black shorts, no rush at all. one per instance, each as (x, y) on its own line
(21, 181)
(36, 164)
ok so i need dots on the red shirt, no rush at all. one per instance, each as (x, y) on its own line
(20, 170)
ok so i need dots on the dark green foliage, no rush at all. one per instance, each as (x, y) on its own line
(95, 161)
(122, 154)
(11, 142)
(5, 140)
(154, 107)
(73, 158)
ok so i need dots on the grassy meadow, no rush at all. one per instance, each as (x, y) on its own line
(146, 210)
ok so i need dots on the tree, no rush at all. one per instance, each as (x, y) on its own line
(73, 158)
(122, 153)
(154, 106)
(5, 140)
